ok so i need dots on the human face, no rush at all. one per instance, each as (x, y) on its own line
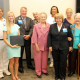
(36, 16)
(69, 13)
(1, 13)
(23, 12)
(77, 19)
(43, 18)
(54, 10)
(11, 17)
(58, 20)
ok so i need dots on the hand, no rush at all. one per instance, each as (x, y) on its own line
(15, 46)
(37, 48)
(78, 45)
(70, 49)
(50, 49)
(69, 38)
(26, 37)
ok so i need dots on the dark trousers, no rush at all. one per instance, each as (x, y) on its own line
(27, 46)
(69, 61)
(74, 61)
(60, 62)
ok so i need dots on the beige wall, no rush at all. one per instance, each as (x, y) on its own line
(41, 6)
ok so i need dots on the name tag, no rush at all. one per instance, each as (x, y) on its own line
(65, 30)
(20, 22)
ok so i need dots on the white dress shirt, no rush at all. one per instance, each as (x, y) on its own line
(50, 20)
(2, 24)
(59, 27)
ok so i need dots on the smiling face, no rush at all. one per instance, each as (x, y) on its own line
(77, 19)
(54, 10)
(69, 12)
(59, 18)
(23, 12)
(11, 17)
(1, 13)
(36, 15)
(43, 18)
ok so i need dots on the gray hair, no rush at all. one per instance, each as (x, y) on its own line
(77, 14)
(42, 13)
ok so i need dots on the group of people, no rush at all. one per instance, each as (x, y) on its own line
(55, 35)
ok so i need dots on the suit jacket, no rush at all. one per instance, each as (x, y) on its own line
(59, 40)
(25, 30)
(40, 35)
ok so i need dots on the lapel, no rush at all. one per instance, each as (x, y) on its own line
(20, 18)
(63, 26)
(56, 29)
(42, 30)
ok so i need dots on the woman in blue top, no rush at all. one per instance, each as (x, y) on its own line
(76, 34)
(13, 51)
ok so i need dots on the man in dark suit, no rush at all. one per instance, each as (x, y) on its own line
(59, 45)
(26, 27)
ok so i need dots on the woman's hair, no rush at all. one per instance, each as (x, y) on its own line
(7, 21)
(69, 9)
(77, 14)
(1, 9)
(56, 8)
(59, 15)
(42, 13)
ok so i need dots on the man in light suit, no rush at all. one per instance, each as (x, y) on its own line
(26, 27)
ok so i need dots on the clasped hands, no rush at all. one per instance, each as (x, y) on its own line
(26, 37)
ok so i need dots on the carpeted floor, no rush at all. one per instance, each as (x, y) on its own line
(30, 75)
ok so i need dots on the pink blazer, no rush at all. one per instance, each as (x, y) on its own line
(40, 35)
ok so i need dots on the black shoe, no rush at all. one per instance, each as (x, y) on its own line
(62, 79)
(31, 67)
(56, 78)
(71, 74)
(45, 74)
(39, 76)
(21, 70)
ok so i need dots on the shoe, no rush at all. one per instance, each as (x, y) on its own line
(45, 74)
(56, 78)
(62, 79)
(1, 75)
(51, 65)
(7, 72)
(39, 76)
(21, 70)
(71, 74)
(31, 67)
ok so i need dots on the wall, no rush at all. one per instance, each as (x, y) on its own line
(4, 4)
(41, 5)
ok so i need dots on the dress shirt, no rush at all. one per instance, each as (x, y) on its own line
(59, 27)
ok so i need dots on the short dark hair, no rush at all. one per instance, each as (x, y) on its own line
(1, 9)
(56, 8)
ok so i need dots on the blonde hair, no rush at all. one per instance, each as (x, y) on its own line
(69, 10)
(7, 21)
(59, 15)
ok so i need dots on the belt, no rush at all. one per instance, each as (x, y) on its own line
(1, 39)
